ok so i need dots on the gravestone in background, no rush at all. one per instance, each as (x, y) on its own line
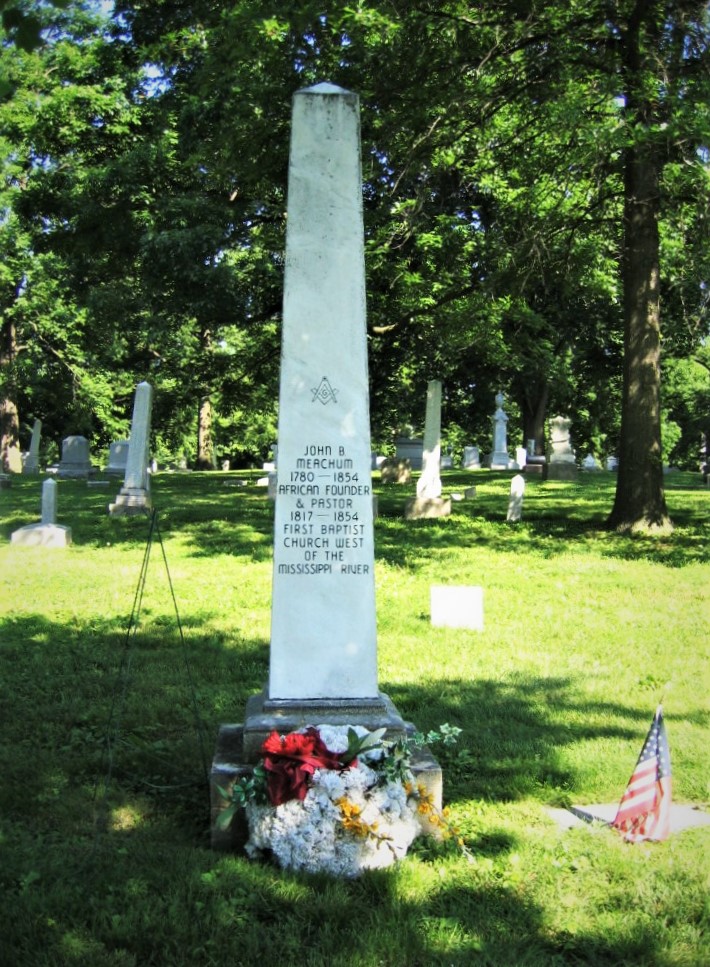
(323, 652)
(47, 533)
(75, 462)
(500, 459)
(515, 503)
(31, 464)
(561, 464)
(117, 458)
(471, 458)
(134, 496)
(411, 449)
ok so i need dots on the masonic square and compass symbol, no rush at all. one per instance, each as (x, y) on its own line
(325, 392)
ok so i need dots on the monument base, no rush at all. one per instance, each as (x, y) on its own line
(535, 464)
(42, 535)
(561, 471)
(231, 763)
(76, 471)
(419, 507)
(264, 715)
(129, 502)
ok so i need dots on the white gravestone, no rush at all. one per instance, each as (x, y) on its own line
(515, 503)
(457, 606)
(471, 458)
(75, 460)
(134, 496)
(561, 465)
(429, 483)
(117, 458)
(429, 502)
(47, 533)
(31, 464)
(323, 636)
(500, 458)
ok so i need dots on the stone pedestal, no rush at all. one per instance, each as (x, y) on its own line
(42, 535)
(131, 501)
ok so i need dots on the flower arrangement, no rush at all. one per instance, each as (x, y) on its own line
(339, 799)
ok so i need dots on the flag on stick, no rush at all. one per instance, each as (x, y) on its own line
(645, 808)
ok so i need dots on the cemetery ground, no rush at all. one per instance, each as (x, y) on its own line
(106, 736)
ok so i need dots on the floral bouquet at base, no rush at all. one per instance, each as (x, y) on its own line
(335, 799)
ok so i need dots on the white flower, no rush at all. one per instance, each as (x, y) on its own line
(310, 834)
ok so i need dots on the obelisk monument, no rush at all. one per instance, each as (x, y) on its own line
(134, 497)
(323, 655)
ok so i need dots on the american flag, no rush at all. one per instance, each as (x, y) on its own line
(645, 808)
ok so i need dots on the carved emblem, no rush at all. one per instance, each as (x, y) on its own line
(325, 392)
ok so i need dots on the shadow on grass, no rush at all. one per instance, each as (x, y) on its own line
(148, 891)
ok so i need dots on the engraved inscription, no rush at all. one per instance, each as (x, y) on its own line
(326, 505)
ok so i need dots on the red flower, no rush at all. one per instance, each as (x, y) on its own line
(290, 760)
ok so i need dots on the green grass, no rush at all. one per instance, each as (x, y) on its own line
(105, 860)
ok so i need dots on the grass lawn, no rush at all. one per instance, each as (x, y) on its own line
(104, 855)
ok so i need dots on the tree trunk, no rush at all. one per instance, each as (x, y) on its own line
(9, 417)
(205, 450)
(533, 409)
(639, 503)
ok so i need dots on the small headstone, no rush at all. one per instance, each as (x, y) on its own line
(134, 496)
(515, 503)
(500, 459)
(447, 461)
(471, 458)
(411, 449)
(272, 484)
(394, 471)
(117, 458)
(75, 462)
(589, 463)
(521, 457)
(377, 461)
(469, 493)
(47, 533)
(457, 606)
(612, 463)
(31, 464)
(225, 465)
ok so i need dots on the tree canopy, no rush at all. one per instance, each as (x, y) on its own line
(536, 190)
